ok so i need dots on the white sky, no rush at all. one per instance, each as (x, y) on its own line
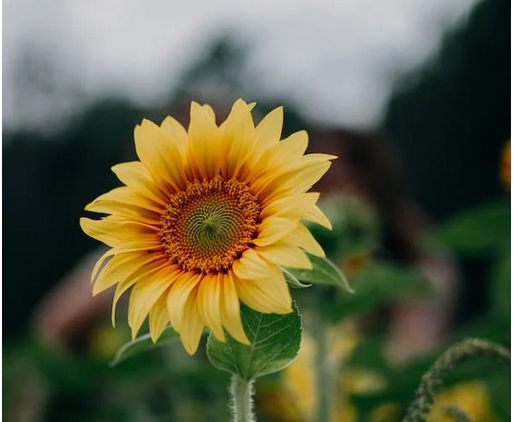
(336, 59)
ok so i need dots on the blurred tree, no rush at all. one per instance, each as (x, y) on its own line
(219, 77)
(47, 181)
(216, 76)
(451, 118)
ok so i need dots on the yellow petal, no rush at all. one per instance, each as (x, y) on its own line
(298, 177)
(285, 255)
(304, 179)
(319, 157)
(208, 303)
(303, 238)
(142, 274)
(316, 216)
(128, 247)
(292, 207)
(230, 310)
(90, 227)
(269, 294)
(237, 121)
(158, 317)
(210, 112)
(294, 146)
(272, 229)
(160, 154)
(178, 296)
(192, 325)
(257, 166)
(135, 175)
(238, 136)
(177, 132)
(120, 267)
(204, 143)
(113, 232)
(269, 130)
(115, 264)
(127, 213)
(250, 265)
(126, 196)
(145, 293)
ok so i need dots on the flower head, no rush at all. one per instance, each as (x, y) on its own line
(205, 219)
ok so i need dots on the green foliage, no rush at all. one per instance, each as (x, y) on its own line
(483, 233)
(500, 283)
(477, 231)
(499, 394)
(403, 380)
(163, 384)
(275, 342)
(377, 284)
(143, 344)
(355, 226)
(292, 281)
(434, 379)
(323, 272)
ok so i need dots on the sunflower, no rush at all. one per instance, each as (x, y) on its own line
(206, 218)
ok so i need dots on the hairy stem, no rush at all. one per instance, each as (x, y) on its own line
(433, 380)
(458, 414)
(241, 393)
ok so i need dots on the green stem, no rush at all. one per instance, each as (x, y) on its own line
(325, 379)
(241, 392)
(433, 381)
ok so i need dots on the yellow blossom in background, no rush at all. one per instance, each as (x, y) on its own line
(386, 412)
(300, 378)
(505, 165)
(206, 218)
(104, 341)
(355, 262)
(361, 381)
(471, 397)
(275, 405)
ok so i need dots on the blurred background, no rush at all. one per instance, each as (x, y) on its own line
(413, 96)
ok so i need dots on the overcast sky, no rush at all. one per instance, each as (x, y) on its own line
(336, 59)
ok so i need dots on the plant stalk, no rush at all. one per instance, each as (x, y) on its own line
(241, 393)
(325, 379)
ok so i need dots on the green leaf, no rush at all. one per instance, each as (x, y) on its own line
(476, 231)
(143, 344)
(293, 281)
(275, 342)
(323, 271)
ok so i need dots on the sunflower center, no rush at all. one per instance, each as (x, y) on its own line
(209, 225)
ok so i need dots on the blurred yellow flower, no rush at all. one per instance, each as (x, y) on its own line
(206, 218)
(300, 378)
(505, 166)
(471, 397)
(104, 341)
(386, 412)
(354, 262)
(275, 405)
